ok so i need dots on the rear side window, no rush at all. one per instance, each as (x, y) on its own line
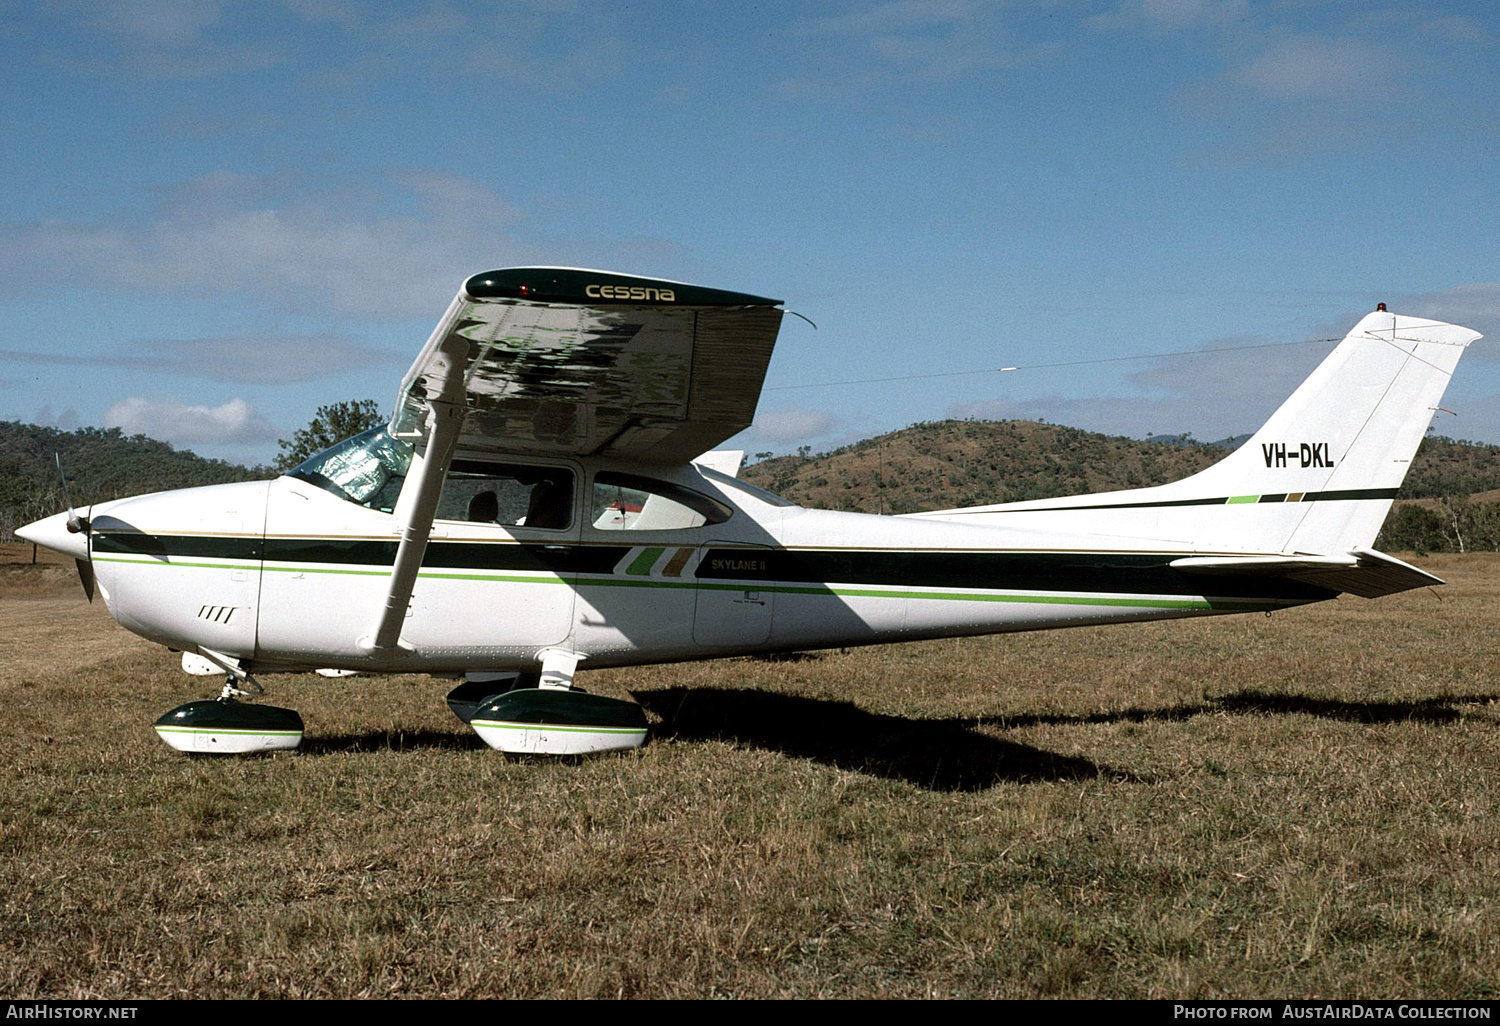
(629, 502)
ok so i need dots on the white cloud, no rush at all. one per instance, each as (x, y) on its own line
(783, 427)
(1213, 394)
(264, 360)
(1476, 418)
(234, 422)
(157, 39)
(1158, 16)
(155, 22)
(1232, 371)
(276, 240)
(991, 409)
(1191, 12)
(554, 46)
(1474, 306)
(67, 420)
(257, 359)
(1459, 28)
(343, 12)
(1306, 67)
(1288, 87)
(903, 41)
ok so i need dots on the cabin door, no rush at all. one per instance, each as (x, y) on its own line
(734, 606)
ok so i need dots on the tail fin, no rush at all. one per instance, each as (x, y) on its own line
(1335, 453)
(1318, 478)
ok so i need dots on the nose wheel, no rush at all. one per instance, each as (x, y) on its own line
(227, 726)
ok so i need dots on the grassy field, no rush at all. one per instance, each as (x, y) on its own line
(1301, 805)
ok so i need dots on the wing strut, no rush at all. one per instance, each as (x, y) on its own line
(424, 485)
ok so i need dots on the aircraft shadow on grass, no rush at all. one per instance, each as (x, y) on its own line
(390, 741)
(937, 754)
(940, 755)
(1253, 702)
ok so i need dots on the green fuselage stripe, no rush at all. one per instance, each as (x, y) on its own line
(1139, 580)
(643, 563)
(513, 725)
(842, 591)
(227, 730)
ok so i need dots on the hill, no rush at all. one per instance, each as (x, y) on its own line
(1442, 507)
(100, 463)
(952, 463)
(1446, 467)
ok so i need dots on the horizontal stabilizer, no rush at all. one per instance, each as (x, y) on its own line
(725, 461)
(1363, 572)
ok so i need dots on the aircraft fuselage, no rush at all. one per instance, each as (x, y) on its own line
(285, 574)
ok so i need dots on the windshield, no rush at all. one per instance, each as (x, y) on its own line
(367, 469)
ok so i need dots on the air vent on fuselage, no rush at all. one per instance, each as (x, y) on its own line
(217, 614)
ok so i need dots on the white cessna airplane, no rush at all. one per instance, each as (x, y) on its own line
(544, 500)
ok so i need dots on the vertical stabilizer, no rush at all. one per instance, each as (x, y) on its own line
(1335, 453)
(1317, 479)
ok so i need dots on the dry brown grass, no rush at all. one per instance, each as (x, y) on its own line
(1304, 805)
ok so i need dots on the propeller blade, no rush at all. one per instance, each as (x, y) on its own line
(78, 525)
(86, 576)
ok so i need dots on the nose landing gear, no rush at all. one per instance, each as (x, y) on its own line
(226, 726)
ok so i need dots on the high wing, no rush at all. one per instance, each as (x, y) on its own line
(558, 361)
(554, 361)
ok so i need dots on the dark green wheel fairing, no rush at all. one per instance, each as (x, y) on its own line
(212, 714)
(555, 707)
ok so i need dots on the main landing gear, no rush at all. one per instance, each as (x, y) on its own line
(524, 713)
(544, 714)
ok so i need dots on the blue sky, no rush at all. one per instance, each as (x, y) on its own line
(219, 216)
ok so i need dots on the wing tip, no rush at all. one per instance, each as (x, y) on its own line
(577, 286)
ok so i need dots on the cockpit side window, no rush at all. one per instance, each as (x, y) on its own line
(629, 502)
(367, 469)
(510, 494)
